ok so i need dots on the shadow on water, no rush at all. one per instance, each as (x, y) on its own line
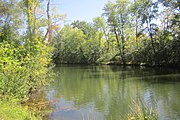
(107, 92)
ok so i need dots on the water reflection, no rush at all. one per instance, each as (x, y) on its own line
(106, 92)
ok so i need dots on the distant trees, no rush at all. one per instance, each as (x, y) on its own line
(129, 32)
(71, 45)
(118, 21)
(79, 43)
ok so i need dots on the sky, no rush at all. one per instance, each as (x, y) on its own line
(84, 10)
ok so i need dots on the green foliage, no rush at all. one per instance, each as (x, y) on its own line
(83, 26)
(24, 59)
(9, 111)
(71, 45)
(77, 47)
(105, 58)
(126, 34)
(22, 69)
(13, 79)
(91, 50)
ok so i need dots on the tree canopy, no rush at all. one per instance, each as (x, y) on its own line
(127, 33)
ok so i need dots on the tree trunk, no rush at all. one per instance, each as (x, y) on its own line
(49, 30)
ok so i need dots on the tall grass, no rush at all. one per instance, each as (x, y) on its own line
(142, 111)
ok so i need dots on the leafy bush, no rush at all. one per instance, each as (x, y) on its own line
(23, 68)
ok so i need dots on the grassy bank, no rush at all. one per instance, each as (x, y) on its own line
(12, 111)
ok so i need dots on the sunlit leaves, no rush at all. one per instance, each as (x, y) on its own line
(71, 41)
(24, 58)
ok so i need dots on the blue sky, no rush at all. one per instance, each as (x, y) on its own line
(80, 9)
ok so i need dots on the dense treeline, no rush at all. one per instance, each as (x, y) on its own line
(143, 32)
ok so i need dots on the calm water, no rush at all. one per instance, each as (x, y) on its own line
(109, 92)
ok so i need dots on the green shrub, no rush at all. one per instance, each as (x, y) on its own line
(23, 68)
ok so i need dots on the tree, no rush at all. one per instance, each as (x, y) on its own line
(24, 60)
(145, 12)
(71, 45)
(11, 19)
(84, 26)
(101, 26)
(136, 17)
(170, 31)
(118, 19)
(127, 33)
